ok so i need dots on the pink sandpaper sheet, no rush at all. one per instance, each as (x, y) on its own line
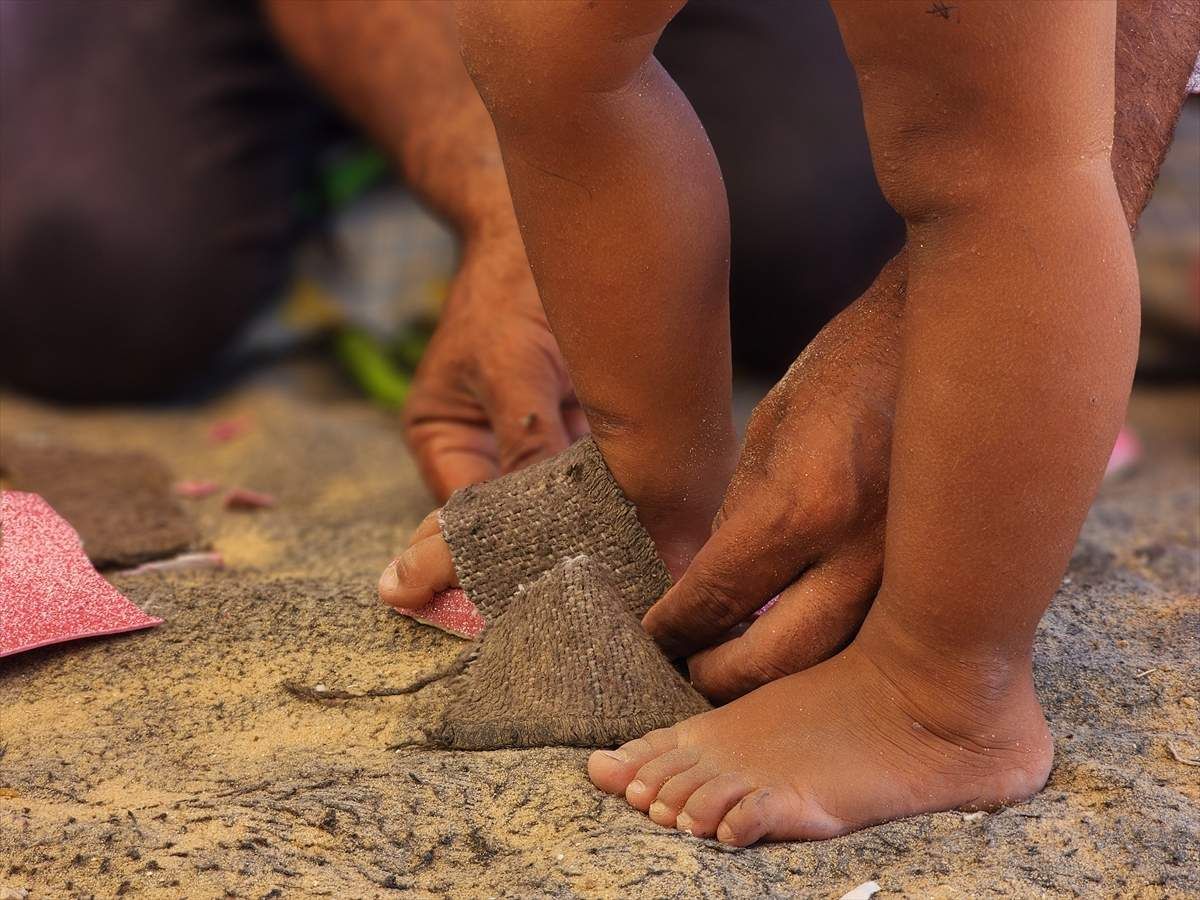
(451, 611)
(49, 590)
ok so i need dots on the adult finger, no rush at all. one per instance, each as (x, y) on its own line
(746, 562)
(525, 412)
(576, 421)
(452, 454)
(811, 621)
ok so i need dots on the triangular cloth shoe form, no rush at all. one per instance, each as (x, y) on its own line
(508, 532)
(567, 664)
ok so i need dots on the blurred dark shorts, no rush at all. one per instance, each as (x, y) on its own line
(152, 156)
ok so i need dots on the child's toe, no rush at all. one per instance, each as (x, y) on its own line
(644, 788)
(430, 525)
(749, 819)
(676, 791)
(411, 580)
(778, 814)
(612, 770)
(710, 802)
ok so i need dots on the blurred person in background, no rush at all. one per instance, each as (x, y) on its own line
(153, 157)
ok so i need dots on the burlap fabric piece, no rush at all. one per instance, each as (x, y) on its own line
(567, 664)
(508, 532)
(120, 502)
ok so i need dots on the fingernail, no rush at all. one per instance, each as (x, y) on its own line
(636, 787)
(684, 823)
(389, 580)
(724, 833)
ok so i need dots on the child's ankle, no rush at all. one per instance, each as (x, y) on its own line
(675, 480)
(987, 672)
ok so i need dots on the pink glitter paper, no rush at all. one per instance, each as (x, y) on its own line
(49, 591)
(451, 611)
(241, 498)
(196, 490)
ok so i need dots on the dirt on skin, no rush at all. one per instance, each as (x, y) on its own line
(172, 763)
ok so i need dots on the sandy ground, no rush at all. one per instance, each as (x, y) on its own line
(172, 763)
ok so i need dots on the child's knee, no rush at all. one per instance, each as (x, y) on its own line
(534, 59)
(958, 118)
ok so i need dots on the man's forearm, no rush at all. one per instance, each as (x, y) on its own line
(395, 68)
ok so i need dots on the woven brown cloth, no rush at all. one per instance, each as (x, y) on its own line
(508, 532)
(120, 502)
(567, 664)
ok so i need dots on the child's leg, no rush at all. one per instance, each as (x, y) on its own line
(624, 218)
(814, 531)
(991, 133)
(623, 213)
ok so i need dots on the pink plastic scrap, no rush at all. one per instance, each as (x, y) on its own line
(451, 611)
(241, 498)
(196, 490)
(766, 606)
(1126, 453)
(228, 429)
(49, 591)
(184, 562)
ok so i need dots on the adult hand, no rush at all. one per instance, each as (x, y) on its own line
(803, 517)
(491, 394)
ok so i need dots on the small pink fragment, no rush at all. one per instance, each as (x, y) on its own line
(1125, 453)
(49, 590)
(228, 429)
(184, 562)
(451, 611)
(196, 490)
(242, 498)
(766, 606)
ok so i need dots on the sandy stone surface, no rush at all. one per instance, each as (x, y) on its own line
(173, 763)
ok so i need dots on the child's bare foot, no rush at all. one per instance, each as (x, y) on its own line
(862, 738)
(675, 507)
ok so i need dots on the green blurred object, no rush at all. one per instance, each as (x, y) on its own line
(410, 344)
(380, 363)
(369, 364)
(350, 176)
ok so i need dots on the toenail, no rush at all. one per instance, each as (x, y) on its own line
(389, 580)
(684, 823)
(724, 833)
(636, 787)
(617, 755)
(659, 809)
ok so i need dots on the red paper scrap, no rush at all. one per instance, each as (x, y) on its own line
(228, 429)
(241, 498)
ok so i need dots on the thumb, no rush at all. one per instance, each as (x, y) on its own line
(745, 563)
(814, 618)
